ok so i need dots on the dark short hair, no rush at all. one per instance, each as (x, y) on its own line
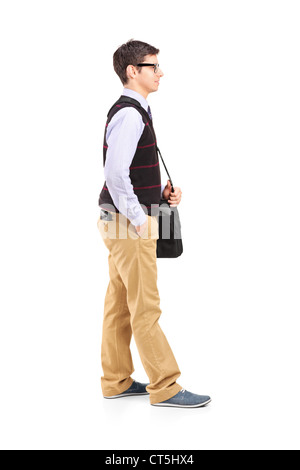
(131, 53)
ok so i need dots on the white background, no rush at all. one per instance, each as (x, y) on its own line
(227, 121)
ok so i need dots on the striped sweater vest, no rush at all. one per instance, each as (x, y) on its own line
(144, 171)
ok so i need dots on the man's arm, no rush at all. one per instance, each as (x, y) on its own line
(123, 133)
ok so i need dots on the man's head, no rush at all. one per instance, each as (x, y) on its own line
(142, 79)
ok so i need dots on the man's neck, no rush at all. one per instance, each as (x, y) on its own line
(142, 92)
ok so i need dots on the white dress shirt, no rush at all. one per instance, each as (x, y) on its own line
(122, 135)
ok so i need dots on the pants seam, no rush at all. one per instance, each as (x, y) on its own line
(121, 306)
(146, 318)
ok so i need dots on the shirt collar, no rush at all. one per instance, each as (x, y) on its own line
(137, 96)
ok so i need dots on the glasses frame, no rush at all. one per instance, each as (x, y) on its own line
(144, 64)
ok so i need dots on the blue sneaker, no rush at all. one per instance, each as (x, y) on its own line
(185, 399)
(135, 389)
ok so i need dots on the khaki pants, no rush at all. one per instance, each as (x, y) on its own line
(132, 305)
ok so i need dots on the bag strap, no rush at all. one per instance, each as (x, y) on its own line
(127, 99)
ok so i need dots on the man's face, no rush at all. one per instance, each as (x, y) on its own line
(147, 79)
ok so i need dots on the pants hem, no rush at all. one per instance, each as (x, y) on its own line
(165, 394)
(110, 392)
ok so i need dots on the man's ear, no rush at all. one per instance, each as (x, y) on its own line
(128, 71)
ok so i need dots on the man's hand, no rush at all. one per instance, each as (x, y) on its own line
(173, 198)
(140, 229)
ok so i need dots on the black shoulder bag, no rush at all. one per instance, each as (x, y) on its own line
(169, 243)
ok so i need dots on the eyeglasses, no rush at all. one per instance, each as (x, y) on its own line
(156, 66)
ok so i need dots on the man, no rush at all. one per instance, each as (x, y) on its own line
(128, 224)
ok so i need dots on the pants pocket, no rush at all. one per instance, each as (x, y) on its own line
(121, 228)
(151, 231)
(107, 228)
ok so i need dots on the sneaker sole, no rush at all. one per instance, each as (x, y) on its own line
(127, 395)
(181, 406)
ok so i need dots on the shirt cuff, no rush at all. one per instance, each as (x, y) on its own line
(162, 189)
(140, 219)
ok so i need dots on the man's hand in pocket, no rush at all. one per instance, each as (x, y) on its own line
(140, 229)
